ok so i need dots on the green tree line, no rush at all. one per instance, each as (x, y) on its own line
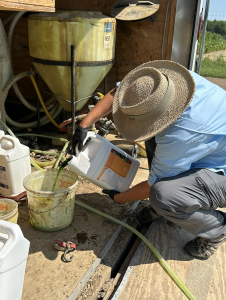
(217, 27)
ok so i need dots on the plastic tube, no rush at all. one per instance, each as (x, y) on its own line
(16, 88)
(46, 153)
(140, 145)
(44, 164)
(44, 136)
(44, 120)
(9, 18)
(61, 155)
(51, 137)
(42, 102)
(77, 119)
(162, 261)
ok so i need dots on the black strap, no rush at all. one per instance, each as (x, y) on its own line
(68, 63)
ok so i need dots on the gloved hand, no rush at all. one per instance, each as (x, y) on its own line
(111, 193)
(79, 137)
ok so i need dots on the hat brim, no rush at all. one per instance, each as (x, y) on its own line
(185, 87)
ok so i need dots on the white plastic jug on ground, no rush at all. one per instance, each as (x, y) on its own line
(14, 165)
(104, 164)
(14, 250)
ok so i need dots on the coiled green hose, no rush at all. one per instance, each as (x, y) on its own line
(162, 261)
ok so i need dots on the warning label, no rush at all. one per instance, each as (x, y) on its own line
(3, 178)
(107, 35)
(115, 169)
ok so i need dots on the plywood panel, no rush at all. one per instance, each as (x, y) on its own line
(33, 2)
(47, 277)
(217, 287)
(147, 279)
(27, 5)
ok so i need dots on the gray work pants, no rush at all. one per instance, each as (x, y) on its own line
(190, 200)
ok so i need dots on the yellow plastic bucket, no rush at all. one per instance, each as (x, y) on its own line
(8, 210)
(51, 211)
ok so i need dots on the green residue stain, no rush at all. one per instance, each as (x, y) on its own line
(63, 165)
(82, 237)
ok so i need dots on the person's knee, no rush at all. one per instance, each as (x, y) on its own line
(172, 200)
(158, 197)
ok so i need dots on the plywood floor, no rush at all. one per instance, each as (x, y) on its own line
(47, 277)
(146, 280)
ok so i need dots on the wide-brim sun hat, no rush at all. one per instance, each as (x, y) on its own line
(150, 98)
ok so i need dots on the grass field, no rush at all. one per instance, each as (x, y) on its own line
(213, 68)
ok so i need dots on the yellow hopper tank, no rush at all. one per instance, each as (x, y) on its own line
(50, 38)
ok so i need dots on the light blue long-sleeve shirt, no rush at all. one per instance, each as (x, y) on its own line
(197, 139)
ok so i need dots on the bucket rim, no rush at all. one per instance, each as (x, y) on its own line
(67, 190)
(12, 213)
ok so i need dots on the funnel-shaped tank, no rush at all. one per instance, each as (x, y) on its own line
(50, 38)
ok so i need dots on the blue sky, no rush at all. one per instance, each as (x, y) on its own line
(217, 6)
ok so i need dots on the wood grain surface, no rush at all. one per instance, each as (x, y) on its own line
(148, 281)
(16, 6)
(47, 277)
(34, 2)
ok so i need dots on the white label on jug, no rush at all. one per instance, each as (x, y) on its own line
(115, 169)
(107, 35)
(3, 178)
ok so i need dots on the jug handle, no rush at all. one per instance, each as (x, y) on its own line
(85, 144)
(10, 228)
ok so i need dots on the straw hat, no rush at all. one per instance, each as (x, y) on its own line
(150, 98)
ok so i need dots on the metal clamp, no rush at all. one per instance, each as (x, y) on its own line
(68, 250)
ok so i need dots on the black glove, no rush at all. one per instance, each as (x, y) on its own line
(111, 193)
(79, 137)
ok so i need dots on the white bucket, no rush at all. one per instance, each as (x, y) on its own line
(51, 211)
(8, 210)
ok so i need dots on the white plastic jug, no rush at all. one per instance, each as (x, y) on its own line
(104, 164)
(14, 165)
(14, 250)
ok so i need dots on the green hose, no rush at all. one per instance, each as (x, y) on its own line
(47, 153)
(162, 261)
(51, 137)
(61, 155)
(42, 135)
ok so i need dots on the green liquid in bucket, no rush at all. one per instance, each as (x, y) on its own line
(64, 164)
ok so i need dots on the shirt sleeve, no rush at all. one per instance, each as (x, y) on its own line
(117, 84)
(176, 150)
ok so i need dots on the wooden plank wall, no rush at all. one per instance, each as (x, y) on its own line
(137, 42)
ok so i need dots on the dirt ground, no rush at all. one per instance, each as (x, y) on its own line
(219, 81)
(214, 55)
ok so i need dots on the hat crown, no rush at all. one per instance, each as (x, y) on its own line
(143, 91)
